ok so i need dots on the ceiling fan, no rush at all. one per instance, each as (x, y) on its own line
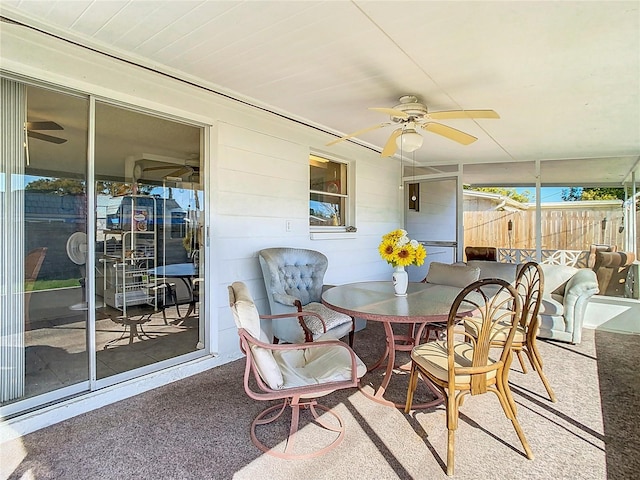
(165, 172)
(33, 131)
(409, 115)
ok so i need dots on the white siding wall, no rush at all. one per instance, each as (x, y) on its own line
(257, 170)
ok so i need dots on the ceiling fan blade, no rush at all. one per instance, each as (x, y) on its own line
(449, 132)
(182, 171)
(162, 167)
(450, 114)
(391, 146)
(46, 138)
(43, 126)
(390, 111)
(359, 132)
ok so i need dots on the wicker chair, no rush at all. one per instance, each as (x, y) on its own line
(529, 285)
(459, 368)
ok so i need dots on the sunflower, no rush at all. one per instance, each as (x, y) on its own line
(399, 250)
(421, 254)
(387, 250)
(395, 235)
(405, 255)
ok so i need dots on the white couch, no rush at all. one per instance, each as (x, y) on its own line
(566, 293)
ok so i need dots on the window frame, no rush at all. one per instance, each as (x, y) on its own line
(349, 212)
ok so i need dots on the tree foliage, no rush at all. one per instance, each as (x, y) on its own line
(70, 186)
(523, 197)
(58, 186)
(574, 194)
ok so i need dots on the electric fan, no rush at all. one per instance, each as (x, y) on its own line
(77, 253)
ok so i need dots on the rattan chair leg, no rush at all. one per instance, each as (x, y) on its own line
(503, 386)
(450, 455)
(537, 365)
(413, 384)
(523, 439)
(521, 360)
(532, 348)
(510, 414)
(452, 425)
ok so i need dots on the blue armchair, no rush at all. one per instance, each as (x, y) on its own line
(294, 280)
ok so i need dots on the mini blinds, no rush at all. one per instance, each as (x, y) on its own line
(12, 163)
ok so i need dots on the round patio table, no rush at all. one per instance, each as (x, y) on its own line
(185, 272)
(376, 301)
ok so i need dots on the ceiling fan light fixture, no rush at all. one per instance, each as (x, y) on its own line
(410, 140)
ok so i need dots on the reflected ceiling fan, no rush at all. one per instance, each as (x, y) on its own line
(34, 128)
(409, 115)
(166, 171)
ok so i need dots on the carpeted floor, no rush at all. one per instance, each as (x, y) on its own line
(198, 428)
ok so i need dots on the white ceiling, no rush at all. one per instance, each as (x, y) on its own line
(564, 76)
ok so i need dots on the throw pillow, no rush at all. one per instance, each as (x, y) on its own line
(453, 275)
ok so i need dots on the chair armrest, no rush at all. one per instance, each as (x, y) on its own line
(578, 290)
(285, 299)
(171, 289)
(583, 284)
(300, 314)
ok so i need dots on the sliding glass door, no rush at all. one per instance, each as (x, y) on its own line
(148, 238)
(44, 339)
(101, 255)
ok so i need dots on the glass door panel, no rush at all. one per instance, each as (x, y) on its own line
(48, 187)
(148, 237)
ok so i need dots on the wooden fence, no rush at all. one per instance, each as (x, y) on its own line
(561, 229)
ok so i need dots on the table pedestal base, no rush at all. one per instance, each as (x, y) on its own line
(399, 343)
(378, 397)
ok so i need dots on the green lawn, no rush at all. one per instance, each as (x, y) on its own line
(52, 284)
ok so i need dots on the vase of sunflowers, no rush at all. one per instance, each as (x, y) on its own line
(399, 251)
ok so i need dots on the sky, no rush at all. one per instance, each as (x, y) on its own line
(547, 194)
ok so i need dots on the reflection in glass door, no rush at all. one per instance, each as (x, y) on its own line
(137, 256)
(148, 239)
(44, 239)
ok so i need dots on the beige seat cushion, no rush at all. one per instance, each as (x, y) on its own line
(317, 365)
(432, 357)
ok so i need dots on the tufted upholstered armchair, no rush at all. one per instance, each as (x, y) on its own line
(294, 280)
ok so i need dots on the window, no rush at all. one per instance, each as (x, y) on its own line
(328, 193)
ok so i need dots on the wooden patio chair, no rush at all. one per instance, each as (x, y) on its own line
(32, 264)
(529, 285)
(459, 368)
(295, 374)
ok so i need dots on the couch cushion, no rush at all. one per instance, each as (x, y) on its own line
(551, 306)
(555, 277)
(505, 271)
(457, 275)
